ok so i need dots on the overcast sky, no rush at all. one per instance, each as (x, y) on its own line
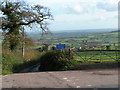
(81, 14)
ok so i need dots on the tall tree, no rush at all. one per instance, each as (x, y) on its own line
(18, 15)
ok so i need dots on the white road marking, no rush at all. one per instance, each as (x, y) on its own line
(77, 86)
(89, 85)
(64, 78)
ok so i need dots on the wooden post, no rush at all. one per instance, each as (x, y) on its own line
(23, 43)
(100, 56)
(69, 52)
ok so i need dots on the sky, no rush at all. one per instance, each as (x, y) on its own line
(81, 14)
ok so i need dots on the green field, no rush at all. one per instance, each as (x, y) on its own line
(97, 56)
(76, 39)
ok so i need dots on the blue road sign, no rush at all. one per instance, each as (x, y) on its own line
(60, 46)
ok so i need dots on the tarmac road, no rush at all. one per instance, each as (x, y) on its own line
(102, 78)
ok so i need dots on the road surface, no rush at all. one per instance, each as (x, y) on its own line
(102, 78)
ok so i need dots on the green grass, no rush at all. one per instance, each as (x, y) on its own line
(13, 62)
(101, 37)
(94, 56)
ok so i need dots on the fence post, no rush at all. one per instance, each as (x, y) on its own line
(100, 56)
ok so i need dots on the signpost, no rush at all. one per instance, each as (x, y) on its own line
(60, 46)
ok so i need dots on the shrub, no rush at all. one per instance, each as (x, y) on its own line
(57, 60)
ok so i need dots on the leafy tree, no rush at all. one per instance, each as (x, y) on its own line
(16, 16)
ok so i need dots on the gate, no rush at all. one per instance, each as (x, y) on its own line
(98, 55)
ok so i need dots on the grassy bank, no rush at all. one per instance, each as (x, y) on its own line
(13, 62)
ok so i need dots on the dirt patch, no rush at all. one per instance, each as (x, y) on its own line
(97, 73)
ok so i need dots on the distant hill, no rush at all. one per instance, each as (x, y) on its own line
(115, 31)
(67, 33)
(87, 30)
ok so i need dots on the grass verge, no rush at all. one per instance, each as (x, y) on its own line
(13, 62)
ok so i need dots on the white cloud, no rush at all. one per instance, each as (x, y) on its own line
(78, 8)
(113, 1)
(81, 13)
(84, 12)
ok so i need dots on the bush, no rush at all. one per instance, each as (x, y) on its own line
(57, 60)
